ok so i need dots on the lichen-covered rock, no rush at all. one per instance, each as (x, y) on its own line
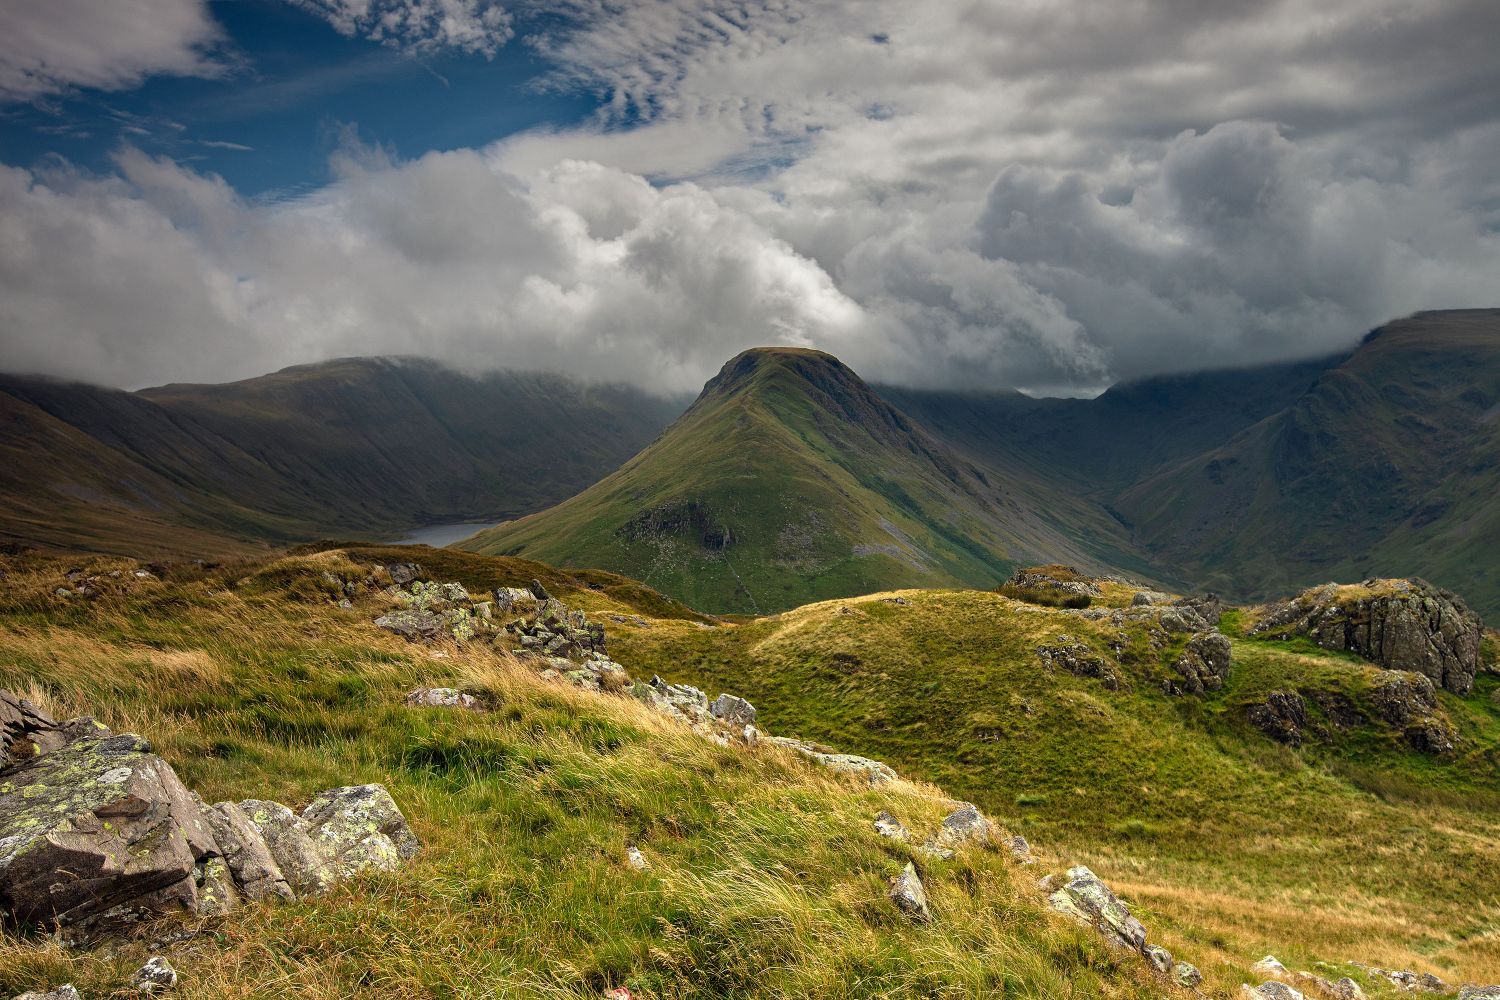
(508, 599)
(98, 833)
(216, 892)
(359, 827)
(443, 698)
(1186, 975)
(412, 624)
(1203, 665)
(1409, 702)
(1060, 578)
(20, 721)
(872, 771)
(453, 593)
(1347, 989)
(910, 895)
(1020, 850)
(250, 862)
(1159, 957)
(404, 573)
(734, 710)
(1479, 993)
(684, 699)
(1399, 624)
(153, 977)
(889, 826)
(1085, 898)
(1412, 982)
(1270, 990)
(64, 992)
(1282, 716)
(303, 865)
(963, 827)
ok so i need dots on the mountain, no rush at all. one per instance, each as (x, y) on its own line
(790, 479)
(358, 447)
(1388, 463)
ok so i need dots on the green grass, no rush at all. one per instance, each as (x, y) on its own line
(767, 879)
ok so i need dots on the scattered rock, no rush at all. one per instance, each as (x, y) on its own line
(872, 770)
(1063, 578)
(508, 599)
(453, 593)
(1087, 899)
(1187, 975)
(358, 828)
(1078, 659)
(412, 625)
(1020, 850)
(404, 573)
(1159, 957)
(1146, 598)
(681, 700)
(1479, 993)
(1282, 716)
(910, 896)
(153, 977)
(539, 592)
(733, 710)
(1268, 966)
(1203, 665)
(962, 827)
(1348, 989)
(1270, 990)
(1412, 982)
(443, 698)
(635, 859)
(66, 992)
(889, 826)
(1399, 624)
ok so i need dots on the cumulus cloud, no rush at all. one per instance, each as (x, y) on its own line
(61, 44)
(1052, 196)
(420, 27)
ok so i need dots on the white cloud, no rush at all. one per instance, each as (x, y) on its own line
(56, 45)
(420, 27)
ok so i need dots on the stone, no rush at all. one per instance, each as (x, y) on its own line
(1348, 989)
(1270, 990)
(889, 826)
(443, 698)
(733, 710)
(1408, 701)
(963, 827)
(412, 625)
(1186, 975)
(1085, 898)
(750, 735)
(96, 834)
(453, 593)
(1268, 966)
(249, 859)
(539, 592)
(217, 895)
(910, 896)
(1209, 607)
(404, 573)
(1146, 598)
(1159, 957)
(1020, 850)
(156, 975)
(64, 992)
(1479, 993)
(1282, 716)
(1059, 578)
(1203, 665)
(359, 828)
(686, 699)
(507, 599)
(873, 771)
(635, 859)
(1078, 659)
(1398, 624)
(304, 866)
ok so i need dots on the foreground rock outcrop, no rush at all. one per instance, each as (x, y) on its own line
(1399, 624)
(97, 832)
(1083, 896)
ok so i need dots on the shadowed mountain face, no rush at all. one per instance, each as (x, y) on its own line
(359, 447)
(791, 480)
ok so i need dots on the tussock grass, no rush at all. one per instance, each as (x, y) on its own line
(766, 877)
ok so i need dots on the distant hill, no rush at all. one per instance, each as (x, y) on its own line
(790, 480)
(1388, 463)
(359, 447)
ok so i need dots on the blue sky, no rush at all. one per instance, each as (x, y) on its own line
(969, 193)
(291, 81)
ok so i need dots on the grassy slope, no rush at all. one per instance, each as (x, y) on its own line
(767, 879)
(824, 489)
(1358, 850)
(352, 447)
(1388, 465)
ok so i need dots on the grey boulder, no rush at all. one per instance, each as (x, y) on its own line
(246, 853)
(303, 865)
(358, 828)
(732, 709)
(153, 977)
(910, 895)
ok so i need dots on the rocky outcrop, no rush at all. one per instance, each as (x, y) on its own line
(98, 832)
(889, 826)
(1203, 665)
(412, 625)
(1086, 898)
(1147, 598)
(555, 630)
(1271, 990)
(1062, 578)
(963, 827)
(1409, 702)
(1066, 653)
(733, 710)
(872, 771)
(1479, 993)
(1282, 716)
(67, 992)
(1399, 624)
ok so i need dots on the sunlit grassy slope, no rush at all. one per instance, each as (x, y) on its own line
(1353, 848)
(767, 879)
(790, 480)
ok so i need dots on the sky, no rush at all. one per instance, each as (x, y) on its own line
(1052, 195)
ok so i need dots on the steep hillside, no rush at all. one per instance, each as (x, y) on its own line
(1261, 816)
(355, 447)
(1389, 463)
(789, 479)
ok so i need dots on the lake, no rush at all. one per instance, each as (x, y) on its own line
(439, 535)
